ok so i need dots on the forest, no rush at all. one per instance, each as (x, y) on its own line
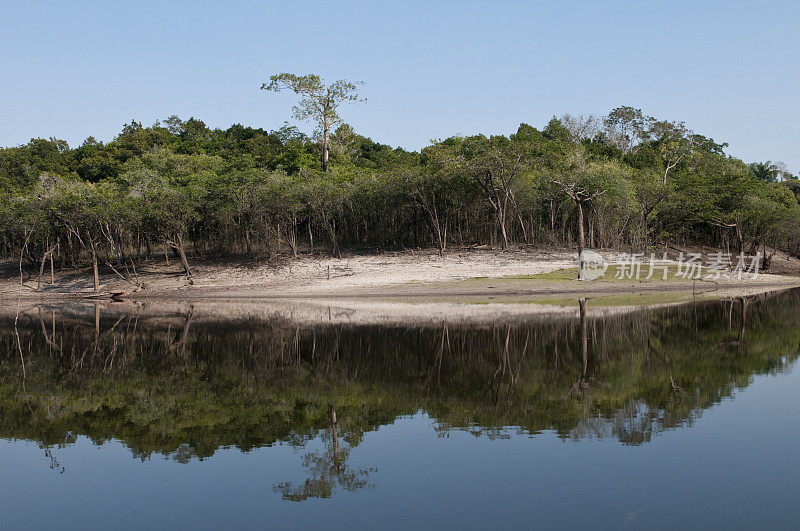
(626, 180)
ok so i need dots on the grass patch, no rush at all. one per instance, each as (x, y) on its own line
(621, 299)
(624, 273)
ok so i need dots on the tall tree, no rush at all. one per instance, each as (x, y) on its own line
(626, 127)
(582, 127)
(318, 101)
(674, 143)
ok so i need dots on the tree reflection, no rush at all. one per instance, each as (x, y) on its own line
(183, 386)
(582, 384)
(328, 469)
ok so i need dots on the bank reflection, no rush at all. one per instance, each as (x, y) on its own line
(183, 386)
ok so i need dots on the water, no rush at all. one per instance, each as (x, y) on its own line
(675, 417)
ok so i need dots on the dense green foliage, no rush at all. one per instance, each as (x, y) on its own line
(245, 191)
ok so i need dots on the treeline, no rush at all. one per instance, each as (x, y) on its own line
(249, 192)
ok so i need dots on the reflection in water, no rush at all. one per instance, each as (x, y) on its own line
(328, 469)
(183, 387)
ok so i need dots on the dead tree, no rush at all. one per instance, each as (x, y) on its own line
(177, 244)
(48, 252)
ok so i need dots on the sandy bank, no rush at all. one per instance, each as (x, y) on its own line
(466, 286)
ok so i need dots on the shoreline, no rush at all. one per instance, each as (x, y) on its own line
(464, 287)
(354, 311)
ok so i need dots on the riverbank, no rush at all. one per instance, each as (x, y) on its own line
(464, 285)
(417, 274)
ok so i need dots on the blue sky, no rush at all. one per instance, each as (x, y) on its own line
(431, 69)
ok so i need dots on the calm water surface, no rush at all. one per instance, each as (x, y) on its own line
(664, 418)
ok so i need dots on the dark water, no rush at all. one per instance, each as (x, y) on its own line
(679, 417)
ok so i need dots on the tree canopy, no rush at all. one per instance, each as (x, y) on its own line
(318, 102)
(245, 191)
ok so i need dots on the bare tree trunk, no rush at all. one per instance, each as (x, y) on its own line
(181, 345)
(325, 140)
(669, 166)
(182, 253)
(293, 237)
(444, 236)
(21, 254)
(583, 381)
(96, 323)
(437, 228)
(48, 252)
(581, 276)
(502, 223)
(95, 274)
(584, 340)
(310, 236)
(41, 272)
(52, 272)
(121, 257)
(436, 225)
(523, 228)
(742, 323)
(739, 236)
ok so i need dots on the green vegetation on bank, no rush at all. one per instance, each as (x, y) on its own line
(625, 299)
(628, 272)
(634, 180)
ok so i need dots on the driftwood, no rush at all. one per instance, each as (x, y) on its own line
(116, 296)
